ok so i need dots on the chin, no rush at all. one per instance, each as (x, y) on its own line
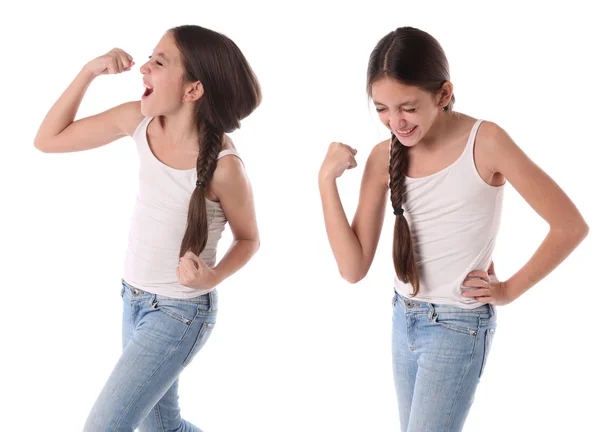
(410, 141)
(159, 108)
(150, 111)
(146, 110)
(409, 144)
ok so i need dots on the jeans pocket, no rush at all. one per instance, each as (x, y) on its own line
(182, 311)
(489, 337)
(465, 323)
(201, 339)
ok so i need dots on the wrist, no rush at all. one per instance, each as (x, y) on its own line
(326, 178)
(511, 290)
(87, 74)
(214, 278)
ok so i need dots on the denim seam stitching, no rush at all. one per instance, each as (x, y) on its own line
(461, 382)
(205, 325)
(434, 318)
(456, 329)
(159, 422)
(416, 327)
(179, 318)
(131, 316)
(485, 350)
(151, 376)
(406, 320)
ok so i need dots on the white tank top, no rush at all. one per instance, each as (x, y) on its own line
(159, 220)
(454, 217)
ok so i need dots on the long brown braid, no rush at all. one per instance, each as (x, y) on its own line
(231, 93)
(196, 234)
(414, 58)
(403, 251)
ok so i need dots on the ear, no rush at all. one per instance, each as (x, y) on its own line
(444, 95)
(193, 92)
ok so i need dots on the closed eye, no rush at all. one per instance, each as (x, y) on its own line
(157, 62)
(408, 110)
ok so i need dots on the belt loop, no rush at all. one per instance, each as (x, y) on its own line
(153, 301)
(432, 313)
(492, 310)
(211, 301)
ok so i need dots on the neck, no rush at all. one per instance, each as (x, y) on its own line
(439, 131)
(180, 129)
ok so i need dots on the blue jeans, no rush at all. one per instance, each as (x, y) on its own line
(439, 354)
(161, 336)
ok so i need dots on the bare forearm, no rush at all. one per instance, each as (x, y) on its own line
(344, 243)
(236, 257)
(64, 110)
(555, 248)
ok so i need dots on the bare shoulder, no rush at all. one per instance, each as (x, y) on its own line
(493, 143)
(382, 149)
(490, 133)
(129, 116)
(229, 178)
(228, 163)
(229, 168)
(379, 162)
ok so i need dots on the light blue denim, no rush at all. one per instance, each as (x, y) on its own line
(161, 336)
(439, 354)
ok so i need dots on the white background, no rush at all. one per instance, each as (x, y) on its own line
(296, 348)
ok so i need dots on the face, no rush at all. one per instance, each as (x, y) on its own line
(163, 79)
(407, 111)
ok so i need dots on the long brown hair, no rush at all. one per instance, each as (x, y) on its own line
(231, 93)
(415, 58)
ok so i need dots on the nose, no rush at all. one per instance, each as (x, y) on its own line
(397, 121)
(145, 69)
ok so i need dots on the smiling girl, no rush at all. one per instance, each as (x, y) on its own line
(198, 87)
(446, 172)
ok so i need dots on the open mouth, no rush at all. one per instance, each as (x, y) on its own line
(148, 91)
(405, 133)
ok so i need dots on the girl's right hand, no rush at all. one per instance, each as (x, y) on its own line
(339, 158)
(113, 62)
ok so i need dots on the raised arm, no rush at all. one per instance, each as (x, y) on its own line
(354, 245)
(60, 133)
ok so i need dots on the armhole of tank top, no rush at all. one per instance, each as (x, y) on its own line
(227, 152)
(472, 163)
(141, 126)
(472, 137)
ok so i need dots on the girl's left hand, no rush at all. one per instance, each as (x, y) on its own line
(192, 272)
(487, 288)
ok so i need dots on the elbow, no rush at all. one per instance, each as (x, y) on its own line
(352, 276)
(579, 231)
(575, 232)
(43, 145)
(582, 231)
(38, 144)
(255, 245)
